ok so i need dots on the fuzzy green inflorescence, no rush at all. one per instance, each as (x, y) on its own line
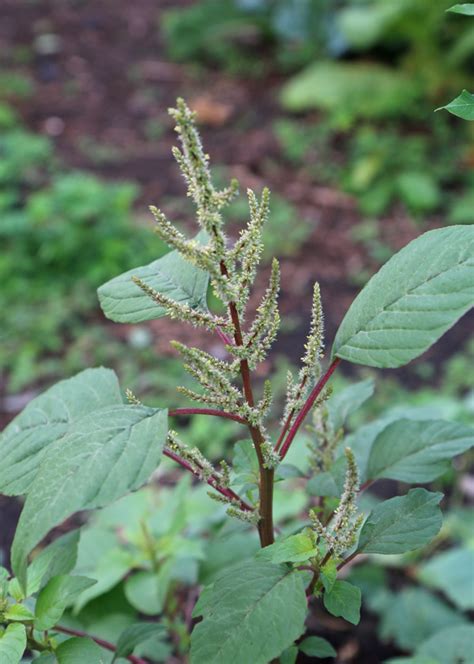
(224, 383)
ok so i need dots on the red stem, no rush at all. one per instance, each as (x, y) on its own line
(100, 642)
(289, 418)
(347, 560)
(224, 337)
(207, 411)
(212, 481)
(315, 392)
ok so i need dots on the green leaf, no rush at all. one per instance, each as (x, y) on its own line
(466, 8)
(110, 570)
(46, 420)
(329, 574)
(134, 635)
(413, 299)
(146, 591)
(12, 644)
(315, 646)
(417, 451)
(245, 464)
(413, 615)
(452, 573)
(58, 558)
(347, 401)
(330, 483)
(402, 523)
(106, 454)
(18, 613)
(56, 596)
(344, 601)
(452, 645)
(254, 609)
(293, 549)
(80, 650)
(462, 106)
(45, 658)
(124, 302)
(289, 655)
(350, 90)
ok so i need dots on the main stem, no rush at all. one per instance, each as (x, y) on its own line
(265, 525)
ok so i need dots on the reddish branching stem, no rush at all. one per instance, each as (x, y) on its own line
(309, 403)
(226, 340)
(176, 412)
(104, 644)
(212, 481)
(286, 426)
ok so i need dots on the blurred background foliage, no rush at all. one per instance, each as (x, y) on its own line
(330, 103)
(341, 95)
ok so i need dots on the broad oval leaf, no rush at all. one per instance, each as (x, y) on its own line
(316, 646)
(255, 609)
(12, 644)
(452, 645)
(58, 558)
(462, 106)
(417, 451)
(344, 601)
(348, 400)
(106, 454)
(401, 524)
(80, 650)
(412, 615)
(124, 302)
(46, 419)
(56, 596)
(451, 572)
(294, 549)
(413, 299)
(132, 636)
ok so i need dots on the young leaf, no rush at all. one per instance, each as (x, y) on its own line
(315, 646)
(329, 574)
(451, 572)
(58, 558)
(12, 644)
(452, 645)
(255, 609)
(46, 420)
(402, 523)
(413, 299)
(146, 591)
(293, 549)
(245, 464)
(466, 8)
(462, 106)
(417, 451)
(18, 613)
(344, 601)
(56, 596)
(106, 454)
(131, 637)
(112, 567)
(348, 400)
(80, 650)
(289, 655)
(124, 302)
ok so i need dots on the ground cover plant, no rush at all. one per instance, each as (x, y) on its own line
(81, 446)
